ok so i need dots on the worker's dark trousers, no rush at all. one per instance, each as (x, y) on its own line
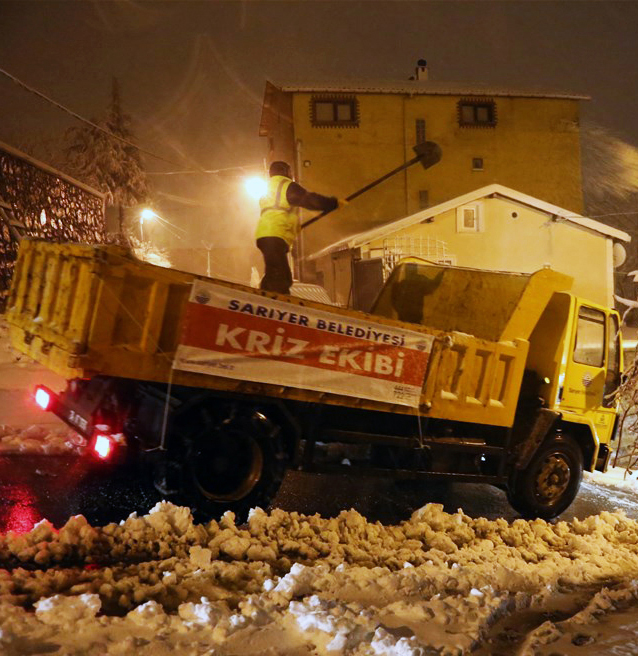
(277, 274)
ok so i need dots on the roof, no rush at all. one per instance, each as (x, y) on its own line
(493, 190)
(310, 292)
(49, 169)
(420, 87)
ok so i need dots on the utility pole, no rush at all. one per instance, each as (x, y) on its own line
(208, 246)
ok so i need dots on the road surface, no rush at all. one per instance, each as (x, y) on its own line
(36, 486)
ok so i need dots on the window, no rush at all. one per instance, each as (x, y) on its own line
(469, 218)
(477, 113)
(424, 199)
(419, 129)
(334, 111)
(590, 337)
(477, 163)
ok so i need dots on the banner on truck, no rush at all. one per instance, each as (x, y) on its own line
(240, 335)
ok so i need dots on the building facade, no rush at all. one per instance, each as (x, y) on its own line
(38, 201)
(495, 228)
(341, 135)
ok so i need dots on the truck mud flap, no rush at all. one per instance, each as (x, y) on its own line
(534, 427)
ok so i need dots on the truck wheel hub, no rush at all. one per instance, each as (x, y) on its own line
(228, 466)
(553, 478)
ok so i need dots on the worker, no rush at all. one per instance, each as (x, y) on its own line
(279, 224)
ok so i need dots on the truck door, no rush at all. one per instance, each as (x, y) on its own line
(593, 369)
(367, 281)
(607, 414)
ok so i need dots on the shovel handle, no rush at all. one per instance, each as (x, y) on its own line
(370, 185)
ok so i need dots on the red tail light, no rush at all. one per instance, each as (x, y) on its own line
(103, 446)
(43, 397)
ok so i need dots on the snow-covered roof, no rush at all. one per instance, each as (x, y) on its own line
(49, 169)
(494, 190)
(420, 87)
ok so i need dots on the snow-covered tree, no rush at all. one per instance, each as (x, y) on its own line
(610, 190)
(610, 166)
(108, 163)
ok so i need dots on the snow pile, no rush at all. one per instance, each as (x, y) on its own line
(287, 583)
(18, 377)
(615, 477)
(40, 439)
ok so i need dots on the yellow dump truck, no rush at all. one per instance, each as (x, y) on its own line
(216, 388)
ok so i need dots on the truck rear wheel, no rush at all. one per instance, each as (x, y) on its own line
(232, 463)
(550, 482)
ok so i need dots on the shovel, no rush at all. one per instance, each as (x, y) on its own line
(427, 152)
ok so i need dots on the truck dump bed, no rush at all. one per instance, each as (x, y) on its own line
(444, 342)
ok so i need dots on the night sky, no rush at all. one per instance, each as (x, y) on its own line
(192, 73)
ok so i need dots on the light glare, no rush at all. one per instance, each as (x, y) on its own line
(102, 446)
(146, 214)
(42, 398)
(256, 187)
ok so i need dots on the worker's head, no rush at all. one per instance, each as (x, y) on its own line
(280, 168)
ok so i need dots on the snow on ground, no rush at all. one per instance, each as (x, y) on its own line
(21, 433)
(615, 477)
(290, 584)
(39, 439)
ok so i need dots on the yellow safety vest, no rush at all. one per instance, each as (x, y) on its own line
(278, 218)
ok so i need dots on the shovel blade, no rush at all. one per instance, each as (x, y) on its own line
(428, 152)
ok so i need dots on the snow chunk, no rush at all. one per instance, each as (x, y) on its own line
(200, 556)
(149, 614)
(199, 614)
(63, 611)
(165, 517)
(385, 644)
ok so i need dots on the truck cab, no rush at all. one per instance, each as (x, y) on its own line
(576, 353)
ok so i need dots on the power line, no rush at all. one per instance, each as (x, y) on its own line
(184, 172)
(30, 89)
(600, 216)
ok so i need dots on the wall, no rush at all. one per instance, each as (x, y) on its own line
(525, 244)
(73, 211)
(534, 148)
(277, 125)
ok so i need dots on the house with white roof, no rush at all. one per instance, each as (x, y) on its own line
(493, 227)
(341, 134)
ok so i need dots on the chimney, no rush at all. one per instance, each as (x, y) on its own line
(421, 70)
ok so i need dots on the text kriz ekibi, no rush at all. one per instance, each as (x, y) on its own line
(358, 357)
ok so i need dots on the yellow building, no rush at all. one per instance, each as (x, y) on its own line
(341, 135)
(493, 227)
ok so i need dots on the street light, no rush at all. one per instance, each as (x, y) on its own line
(147, 214)
(256, 187)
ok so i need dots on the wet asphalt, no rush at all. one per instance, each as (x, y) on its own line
(55, 487)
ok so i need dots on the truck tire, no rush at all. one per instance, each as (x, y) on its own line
(232, 463)
(550, 482)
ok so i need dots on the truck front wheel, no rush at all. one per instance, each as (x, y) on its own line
(550, 482)
(234, 463)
